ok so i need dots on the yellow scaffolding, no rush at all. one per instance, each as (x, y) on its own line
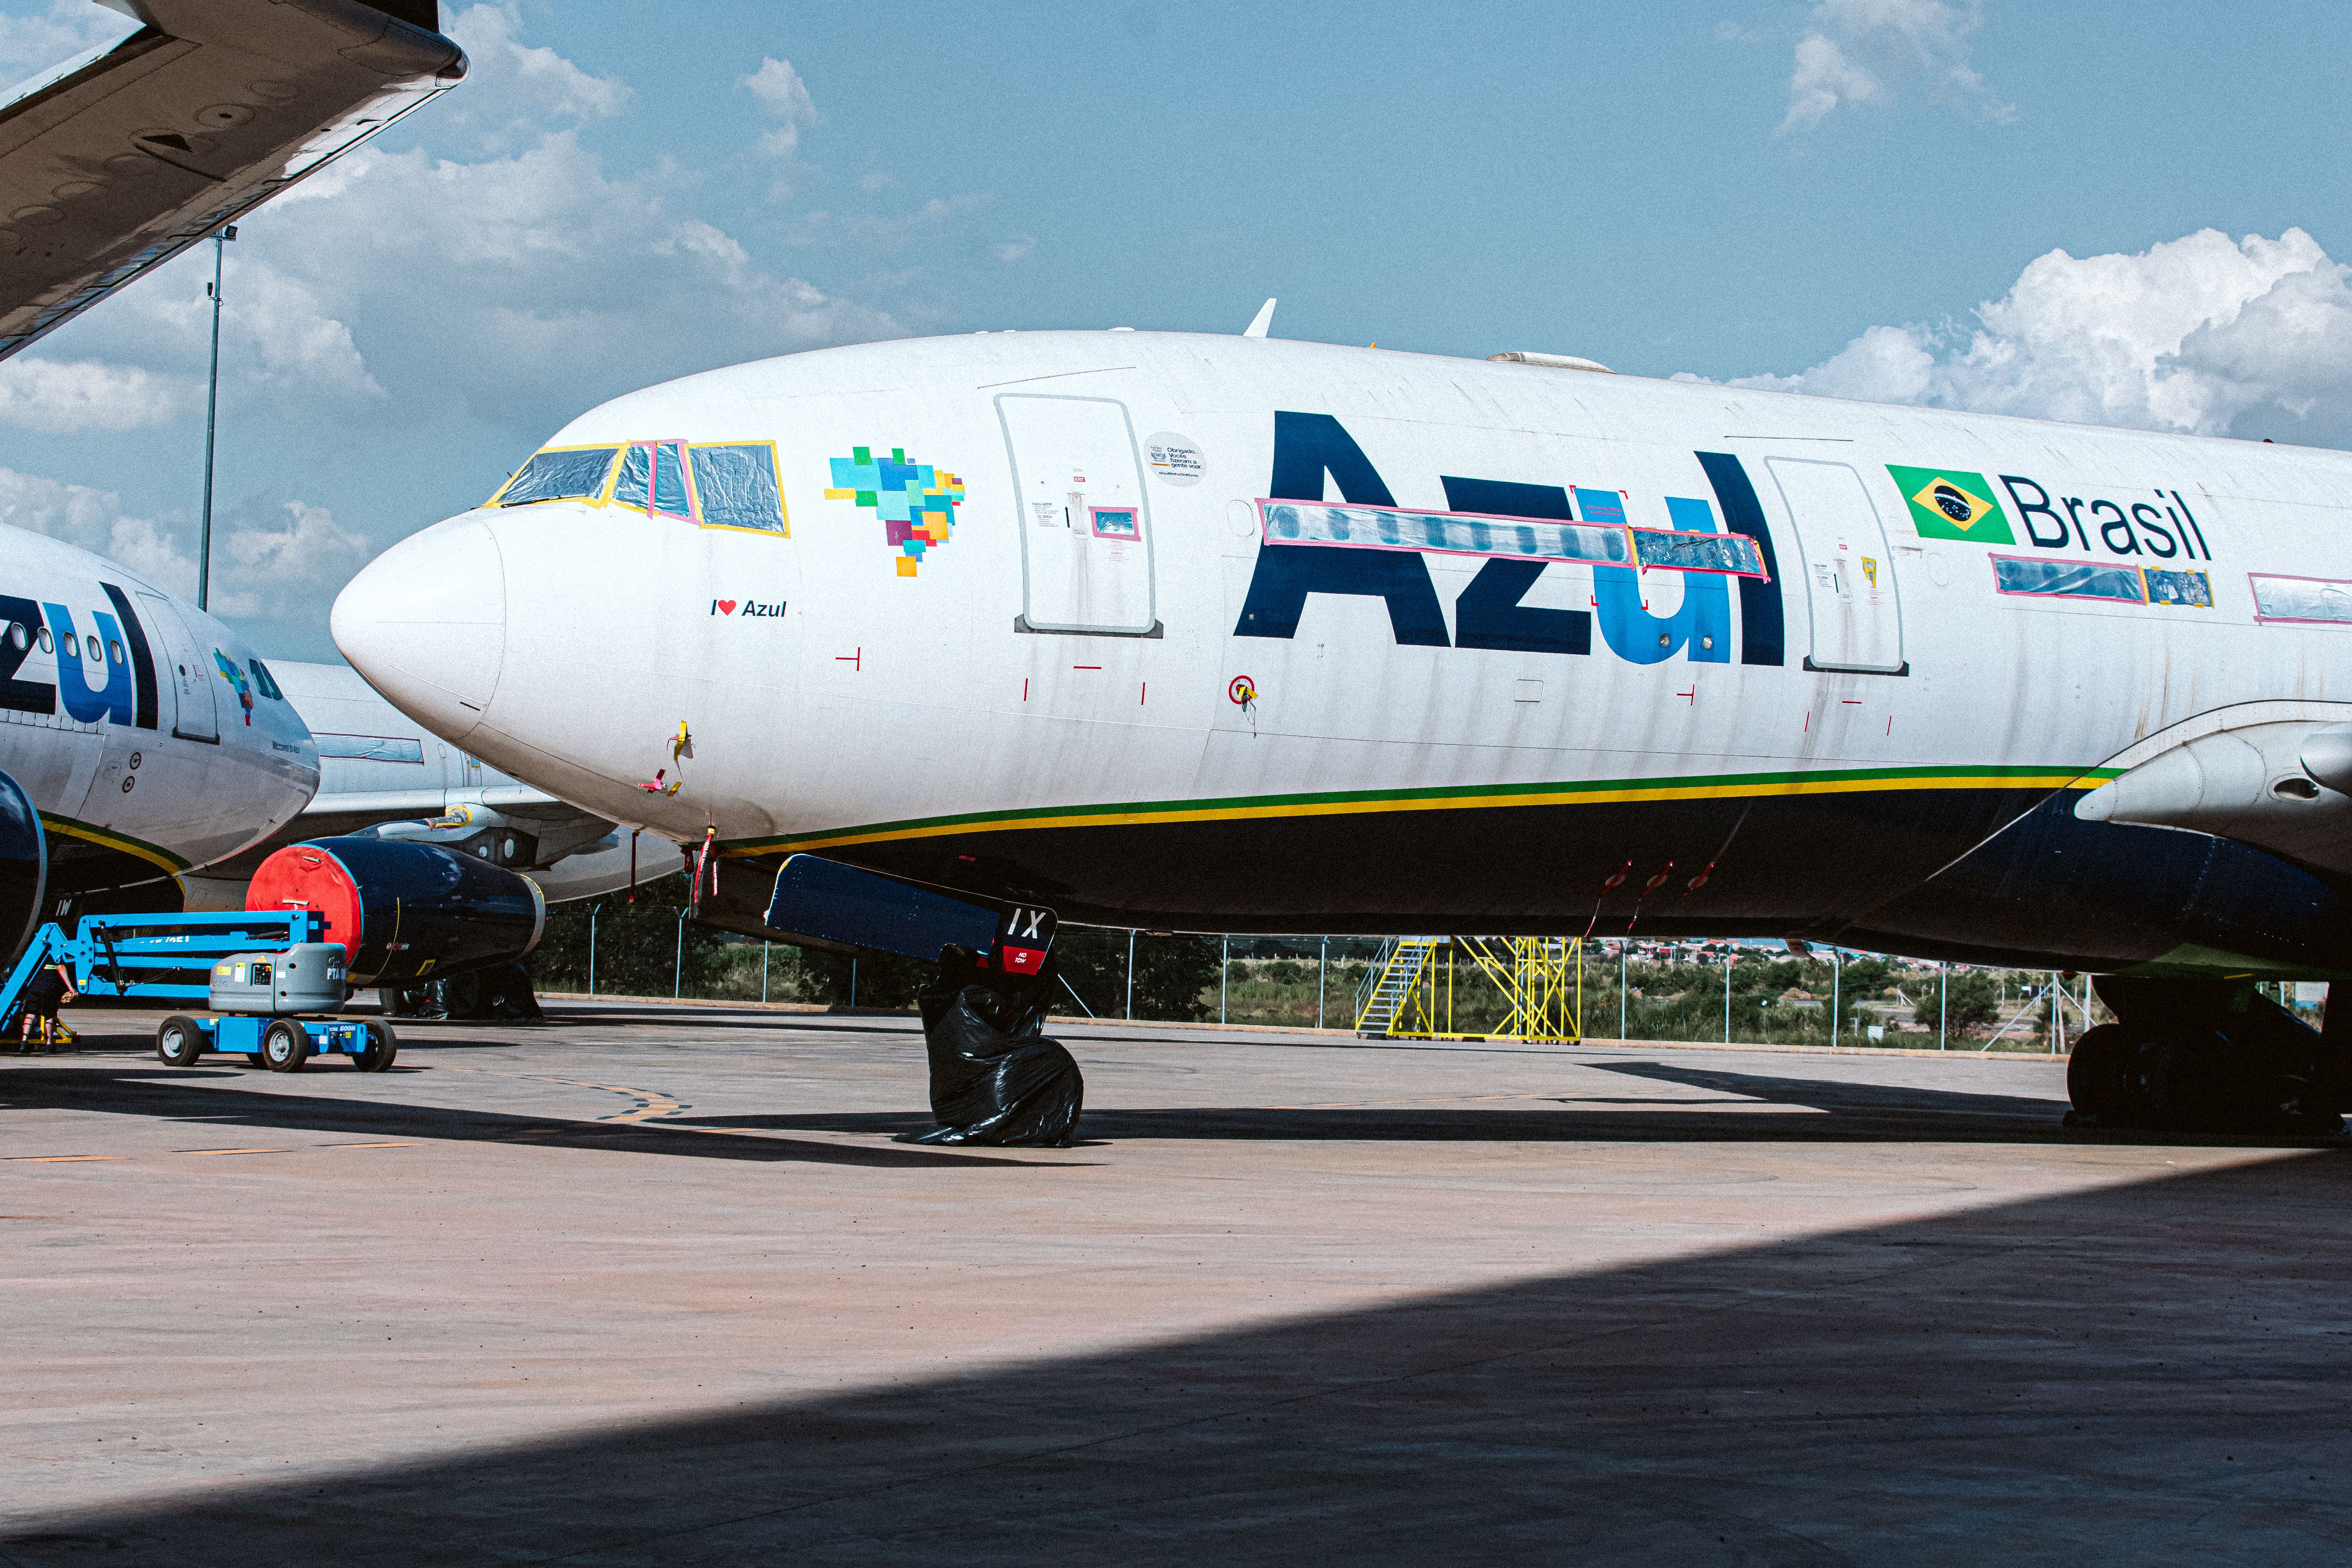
(1410, 994)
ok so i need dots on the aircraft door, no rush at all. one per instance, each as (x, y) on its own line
(1086, 524)
(187, 670)
(1857, 618)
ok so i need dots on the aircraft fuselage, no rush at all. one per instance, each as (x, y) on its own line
(1032, 613)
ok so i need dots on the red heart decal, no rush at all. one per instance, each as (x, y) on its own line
(725, 607)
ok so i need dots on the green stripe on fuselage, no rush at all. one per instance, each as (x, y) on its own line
(1703, 786)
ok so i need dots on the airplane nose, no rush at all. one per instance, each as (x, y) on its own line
(425, 623)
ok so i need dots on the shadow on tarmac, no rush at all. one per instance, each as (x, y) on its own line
(183, 1096)
(1745, 1111)
(2156, 1373)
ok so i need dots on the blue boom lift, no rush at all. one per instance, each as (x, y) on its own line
(258, 969)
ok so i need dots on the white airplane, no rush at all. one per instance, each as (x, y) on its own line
(1234, 634)
(148, 736)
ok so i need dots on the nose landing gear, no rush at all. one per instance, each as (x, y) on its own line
(2195, 1056)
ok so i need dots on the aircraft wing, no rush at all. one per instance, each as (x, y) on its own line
(116, 161)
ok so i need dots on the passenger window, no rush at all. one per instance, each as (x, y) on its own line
(560, 474)
(114, 650)
(47, 645)
(671, 498)
(19, 635)
(737, 486)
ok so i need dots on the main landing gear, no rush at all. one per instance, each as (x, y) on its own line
(2208, 1056)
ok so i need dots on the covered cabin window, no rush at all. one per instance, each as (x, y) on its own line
(737, 486)
(559, 473)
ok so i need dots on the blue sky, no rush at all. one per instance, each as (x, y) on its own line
(2125, 213)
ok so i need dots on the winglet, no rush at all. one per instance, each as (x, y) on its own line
(1259, 322)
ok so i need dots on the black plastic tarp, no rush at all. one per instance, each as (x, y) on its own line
(995, 1078)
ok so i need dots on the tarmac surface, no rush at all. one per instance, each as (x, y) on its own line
(652, 1285)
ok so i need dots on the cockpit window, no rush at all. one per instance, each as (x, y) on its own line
(637, 467)
(737, 486)
(262, 679)
(671, 498)
(559, 473)
(731, 484)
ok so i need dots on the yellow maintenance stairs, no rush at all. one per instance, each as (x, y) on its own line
(1410, 989)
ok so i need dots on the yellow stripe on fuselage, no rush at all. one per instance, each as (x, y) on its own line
(1533, 795)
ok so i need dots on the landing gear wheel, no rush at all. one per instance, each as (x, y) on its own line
(2095, 1076)
(382, 1049)
(179, 1043)
(285, 1047)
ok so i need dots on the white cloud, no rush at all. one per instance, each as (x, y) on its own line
(76, 396)
(1018, 248)
(2199, 334)
(785, 98)
(1863, 51)
(261, 559)
(554, 281)
(256, 564)
(30, 45)
(513, 91)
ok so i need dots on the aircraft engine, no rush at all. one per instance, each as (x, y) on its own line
(405, 913)
(24, 868)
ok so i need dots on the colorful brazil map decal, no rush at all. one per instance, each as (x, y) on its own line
(236, 678)
(915, 501)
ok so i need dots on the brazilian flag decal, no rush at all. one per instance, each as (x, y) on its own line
(1950, 504)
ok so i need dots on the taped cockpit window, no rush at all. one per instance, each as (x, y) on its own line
(636, 468)
(559, 473)
(671, 497)
(737, 486)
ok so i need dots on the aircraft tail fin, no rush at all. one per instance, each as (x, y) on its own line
(1259, 322)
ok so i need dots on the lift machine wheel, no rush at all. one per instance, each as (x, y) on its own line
(179, 1042)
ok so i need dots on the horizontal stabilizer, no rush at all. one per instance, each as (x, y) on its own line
(2255, 783)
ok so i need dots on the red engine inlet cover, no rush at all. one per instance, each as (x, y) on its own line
(300, 877)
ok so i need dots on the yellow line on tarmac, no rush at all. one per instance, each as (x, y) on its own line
(231, 1150)
(58, 1159)
(367, 1145)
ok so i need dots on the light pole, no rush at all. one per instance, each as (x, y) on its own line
(763, 972)
(1224, 970)
(677, 975)
(212, 409)
(1131, 976)
(1726, 998)
(1322, 967)
(1943, 1003)
(1837, 974)
(1620, 990)
(592, 910)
